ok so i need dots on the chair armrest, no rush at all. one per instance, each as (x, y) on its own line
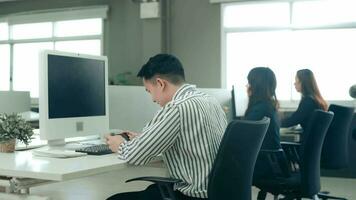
(290, 144)
(155, 179)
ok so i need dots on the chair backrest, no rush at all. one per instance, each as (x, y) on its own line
(335, 148)
(311, 151)
(231, 175)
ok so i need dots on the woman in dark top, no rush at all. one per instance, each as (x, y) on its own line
(311, 99)
(263, 103)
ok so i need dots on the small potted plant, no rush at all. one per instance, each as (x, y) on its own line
(13, 127)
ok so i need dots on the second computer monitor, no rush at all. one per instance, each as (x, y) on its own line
(73, 98)
(239, 101)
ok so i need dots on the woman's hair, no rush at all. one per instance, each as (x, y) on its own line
(310, 88)
(262, 87)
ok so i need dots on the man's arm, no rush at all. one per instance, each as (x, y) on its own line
(157, 137)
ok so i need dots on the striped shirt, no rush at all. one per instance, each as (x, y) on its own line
(187, 132)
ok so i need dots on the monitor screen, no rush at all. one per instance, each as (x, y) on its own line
(239, 101)
(73, 100)
(76, 87)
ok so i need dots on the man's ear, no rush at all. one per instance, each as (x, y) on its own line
(161, 83)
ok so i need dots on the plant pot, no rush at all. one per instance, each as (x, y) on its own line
(7, 147)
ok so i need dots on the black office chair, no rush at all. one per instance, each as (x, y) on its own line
(231, 174)
(296, 168)
(334, 154)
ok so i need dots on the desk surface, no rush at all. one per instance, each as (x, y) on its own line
(290, 134)
(290, 130)
(25, 165)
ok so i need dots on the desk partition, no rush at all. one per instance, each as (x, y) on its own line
(14, 101)
(130, 107)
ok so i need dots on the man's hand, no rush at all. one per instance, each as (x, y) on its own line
(131, 134)
(114, 142)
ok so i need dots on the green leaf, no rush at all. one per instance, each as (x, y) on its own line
(12, 126)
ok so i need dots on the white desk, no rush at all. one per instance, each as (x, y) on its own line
(290, 134)
(25, 170)
(24, 165)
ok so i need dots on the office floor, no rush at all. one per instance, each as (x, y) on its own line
(98, 187)
(101, 186)
(337, 186)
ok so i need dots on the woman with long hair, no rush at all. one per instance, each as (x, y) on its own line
(261, 90)
(311, 100)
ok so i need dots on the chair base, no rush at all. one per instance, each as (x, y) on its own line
(325, 197)
(261, 195)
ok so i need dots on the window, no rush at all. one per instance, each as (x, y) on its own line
(31, 31)
(4, 31)
(311, 39)
(26, 65)
(319, 12)
(78, 27)
(21, 42)
(252, 15)
(5, 67)
(80, 46)
(250, 49)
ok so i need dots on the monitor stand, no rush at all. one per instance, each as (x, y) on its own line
(59, 149)
(74, 143)
(56, 143)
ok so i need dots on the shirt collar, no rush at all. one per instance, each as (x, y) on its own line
(182, 90)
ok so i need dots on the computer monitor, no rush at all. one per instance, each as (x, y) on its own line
(239, 101)
(73, 100)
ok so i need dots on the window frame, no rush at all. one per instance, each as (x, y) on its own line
(11, 42)
(285, 104)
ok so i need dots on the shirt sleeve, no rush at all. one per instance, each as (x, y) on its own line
(300, 114)
(159, 135)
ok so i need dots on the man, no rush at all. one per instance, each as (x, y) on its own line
(187, 131)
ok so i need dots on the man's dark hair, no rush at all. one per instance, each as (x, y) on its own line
(164, 65)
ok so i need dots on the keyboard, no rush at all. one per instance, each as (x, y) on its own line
(99, 149)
